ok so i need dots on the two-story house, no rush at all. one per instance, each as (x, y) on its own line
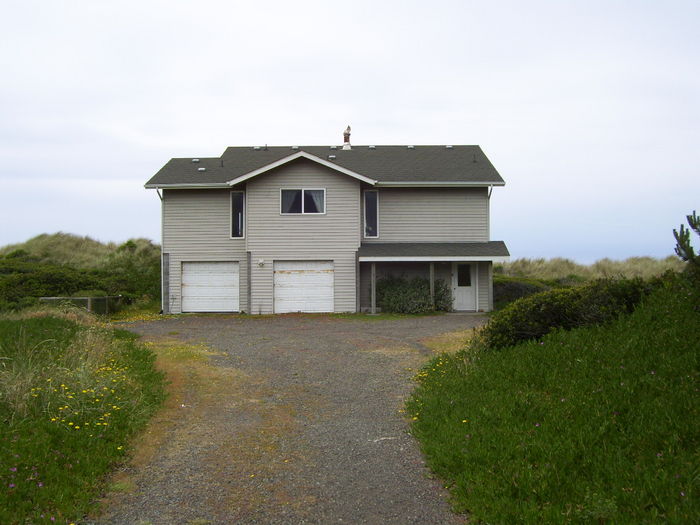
(310, 229)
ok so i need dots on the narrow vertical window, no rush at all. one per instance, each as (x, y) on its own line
(371, 214)
(237, 214)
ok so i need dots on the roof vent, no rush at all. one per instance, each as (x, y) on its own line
(334, 147)
(410, 147)
(331, 157)
(448, 147)
(201, 169)
(372, 147)
(295, 147)
(195, 160)
(256, 148)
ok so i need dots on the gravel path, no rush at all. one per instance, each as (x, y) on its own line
(297, 422)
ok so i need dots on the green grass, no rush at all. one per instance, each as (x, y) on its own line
(595, 425)
(72, 392)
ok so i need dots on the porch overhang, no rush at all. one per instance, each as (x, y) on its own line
(494, 251)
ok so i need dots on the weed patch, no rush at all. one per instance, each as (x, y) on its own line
(72, 393)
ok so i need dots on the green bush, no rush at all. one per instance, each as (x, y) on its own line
(535, 316)
(411, 296)
(507, 289)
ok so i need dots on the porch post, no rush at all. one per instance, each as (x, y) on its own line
(373, 280)
(432, 284)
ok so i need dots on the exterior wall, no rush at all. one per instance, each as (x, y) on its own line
(431, 215)
(196, 227)
(333, 236)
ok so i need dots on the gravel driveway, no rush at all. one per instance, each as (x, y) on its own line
(298, 422)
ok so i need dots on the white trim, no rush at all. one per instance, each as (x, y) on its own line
(198, 185)
(438, 184)
(302, 190)
(298, 155)
(364, 215)
(230, 215)
(437, 258)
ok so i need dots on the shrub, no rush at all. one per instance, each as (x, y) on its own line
(411, 296)
(535, 316)
(508, 289)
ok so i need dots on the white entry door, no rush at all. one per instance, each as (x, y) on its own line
(303, 286)
(464, 286)
(210, 287)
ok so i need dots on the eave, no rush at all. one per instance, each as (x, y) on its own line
(190, 186)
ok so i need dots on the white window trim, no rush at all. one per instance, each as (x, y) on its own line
(230, 214)
(325, 204)
(364, 213)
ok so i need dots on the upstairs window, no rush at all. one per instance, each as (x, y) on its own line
(371, 214)
(237, 214)
(303, 201)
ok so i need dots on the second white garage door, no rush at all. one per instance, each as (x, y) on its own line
(303, 286)
(210, 286)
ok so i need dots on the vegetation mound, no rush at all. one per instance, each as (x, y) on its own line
(597, 424)
(64, 264)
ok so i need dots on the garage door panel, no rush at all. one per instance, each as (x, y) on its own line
(303, 286)
(210, 286)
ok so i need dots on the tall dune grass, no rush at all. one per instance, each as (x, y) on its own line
(565, 269)
(73, 250)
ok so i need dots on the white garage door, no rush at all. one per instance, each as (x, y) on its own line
(210, 287)
(303, 286)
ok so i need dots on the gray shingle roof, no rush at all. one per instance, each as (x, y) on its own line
(386, 164)
(434, 249)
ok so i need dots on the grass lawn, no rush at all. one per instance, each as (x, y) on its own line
(595, 425)
(72, 393)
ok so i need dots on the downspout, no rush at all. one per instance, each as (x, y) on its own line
(162, 216)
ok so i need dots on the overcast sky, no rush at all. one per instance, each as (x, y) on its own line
(589, 110)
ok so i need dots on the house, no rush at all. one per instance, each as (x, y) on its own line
(310, 229)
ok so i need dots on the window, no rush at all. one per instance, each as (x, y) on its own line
(464, 275)
(237, 214)
(303, 201)
(371, 214)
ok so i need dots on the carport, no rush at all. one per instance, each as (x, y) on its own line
(467, 268)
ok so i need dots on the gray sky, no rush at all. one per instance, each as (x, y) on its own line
(590, 110)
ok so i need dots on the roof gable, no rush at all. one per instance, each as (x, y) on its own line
(293, 157)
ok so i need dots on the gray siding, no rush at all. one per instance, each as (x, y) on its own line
(196, 227)
(432, 215)
(484, 290)
(334, 236)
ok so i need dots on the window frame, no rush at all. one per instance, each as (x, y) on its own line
(302, 190)
(364, 215)
(230, 214)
